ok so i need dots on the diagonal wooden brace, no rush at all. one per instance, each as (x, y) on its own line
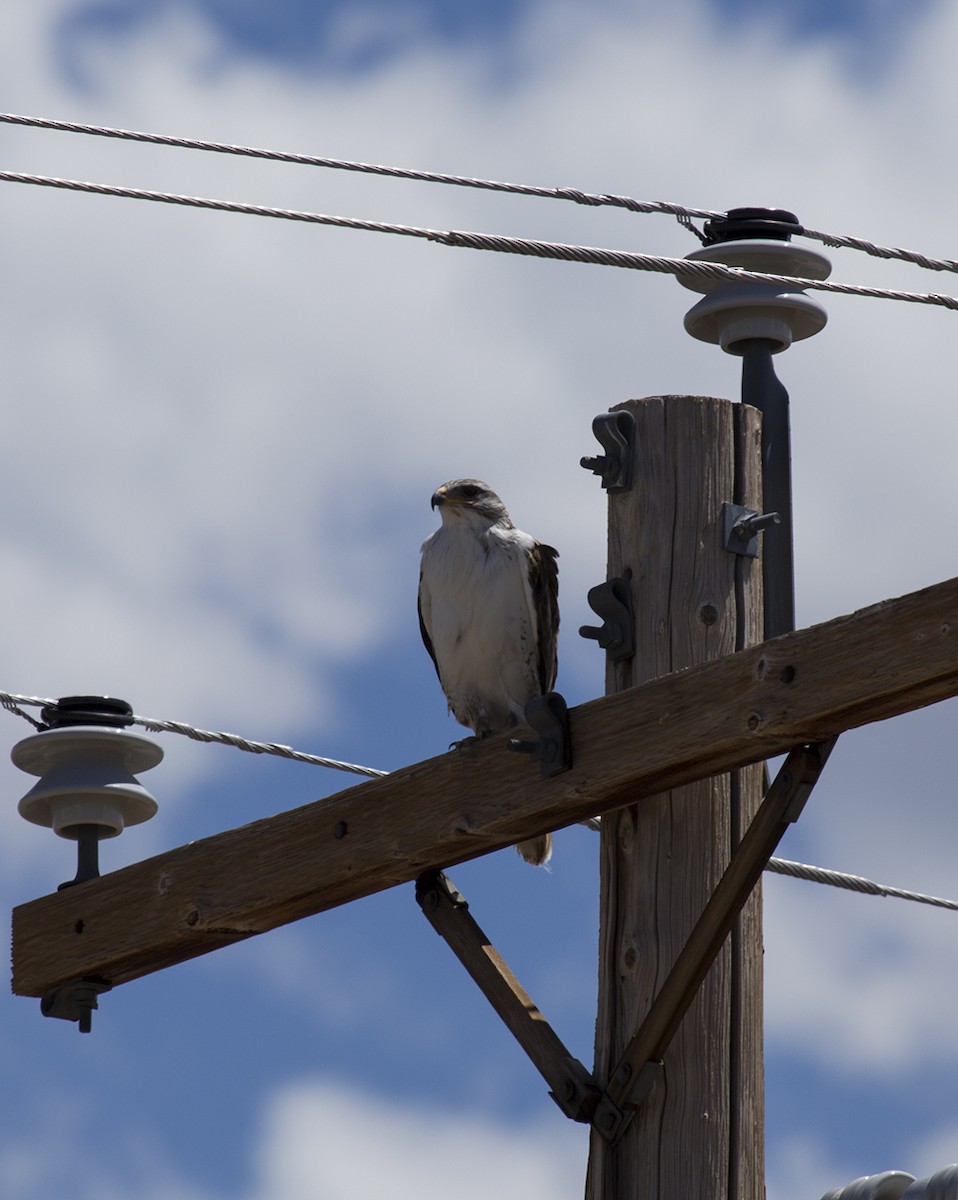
(641, 1062)
(571, 1085)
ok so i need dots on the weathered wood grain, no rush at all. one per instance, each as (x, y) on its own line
(663, 857)
(896, 656)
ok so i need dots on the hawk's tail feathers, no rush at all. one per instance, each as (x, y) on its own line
(537, 851)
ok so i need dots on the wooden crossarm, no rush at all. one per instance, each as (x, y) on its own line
(891, 658)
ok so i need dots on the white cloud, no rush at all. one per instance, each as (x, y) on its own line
(326, 1141)
(801, 1169)
(315, 1140)
(858, 984)
(222, 433)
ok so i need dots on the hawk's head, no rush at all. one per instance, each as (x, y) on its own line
(470, 500)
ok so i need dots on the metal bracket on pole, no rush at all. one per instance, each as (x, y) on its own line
(616, 431)
(742, 527)
(612, 601)
(762, 389)
(571, 1085)
(75, 1001)
(641, 1062)
(548, 716)
(611, 1121)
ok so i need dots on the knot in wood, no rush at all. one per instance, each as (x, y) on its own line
(708, 614)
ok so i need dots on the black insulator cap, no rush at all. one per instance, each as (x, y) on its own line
(738, 223)
(87, 710)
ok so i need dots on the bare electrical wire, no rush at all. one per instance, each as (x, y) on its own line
(591, 199)
(844, 242)
(13, 703)
(494, 242)
(854, 883)
(241, 743)
(339, 164)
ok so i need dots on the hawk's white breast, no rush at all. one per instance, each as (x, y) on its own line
(478, 610)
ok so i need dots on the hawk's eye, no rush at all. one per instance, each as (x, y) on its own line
(470, 491)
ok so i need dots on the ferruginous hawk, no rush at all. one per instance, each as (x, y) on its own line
(489, 615)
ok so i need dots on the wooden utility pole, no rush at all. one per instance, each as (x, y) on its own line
(699, 1131)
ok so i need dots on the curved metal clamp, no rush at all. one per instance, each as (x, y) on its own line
(616, 431)
(548, 715)
(612, 601)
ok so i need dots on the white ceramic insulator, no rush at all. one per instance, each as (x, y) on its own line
(733, 312)
(86, 778)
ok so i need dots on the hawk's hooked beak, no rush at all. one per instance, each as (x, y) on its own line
(438, 498)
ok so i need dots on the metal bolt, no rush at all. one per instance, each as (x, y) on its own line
(747, 527)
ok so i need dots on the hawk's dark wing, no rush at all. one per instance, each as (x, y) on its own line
(544, 582)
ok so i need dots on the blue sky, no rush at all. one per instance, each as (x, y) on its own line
(297, 34)
(221, 439)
